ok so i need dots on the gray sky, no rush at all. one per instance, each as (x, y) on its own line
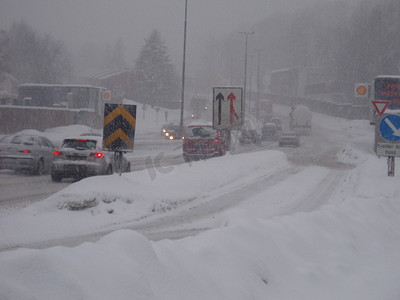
(78, 21)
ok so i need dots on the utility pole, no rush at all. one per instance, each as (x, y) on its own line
(183, 71)
(245, 65)
(258, 83)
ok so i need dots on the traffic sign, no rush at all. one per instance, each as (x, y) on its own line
(119, 127)
(387, 136)
(380, 106)
(389, 128)
(228, 107)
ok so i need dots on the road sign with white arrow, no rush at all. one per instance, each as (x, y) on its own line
(387, 135)
(228, 107)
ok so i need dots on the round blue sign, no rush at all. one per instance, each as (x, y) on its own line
(389, 127)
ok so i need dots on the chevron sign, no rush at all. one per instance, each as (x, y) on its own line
(119, 127)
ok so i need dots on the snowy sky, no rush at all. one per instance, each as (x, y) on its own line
(276, 244)
(78, 21)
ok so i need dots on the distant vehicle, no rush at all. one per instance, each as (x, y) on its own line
(269, 132)
(300, 120)
(166, 127)
(289, 138)
(83, 157)
(249, 136)
(171, 131)
(277, 122)
(203, 141)
(265, 110)
(26, 152)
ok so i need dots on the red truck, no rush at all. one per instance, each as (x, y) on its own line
(203, 141)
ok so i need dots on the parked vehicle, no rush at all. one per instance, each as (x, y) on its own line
(83, 157)
(203, 141)
(247, 136)
(300, 120)
(289, 138)
(26, 152)
(269, 132)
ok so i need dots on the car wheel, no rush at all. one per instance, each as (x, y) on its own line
(186, 158)
(39, 168)
(55, 177)
(128, 168)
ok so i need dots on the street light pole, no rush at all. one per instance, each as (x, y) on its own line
(258, 83)
(245, 66)
(183, 71)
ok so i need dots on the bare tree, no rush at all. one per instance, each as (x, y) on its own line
(35, 58)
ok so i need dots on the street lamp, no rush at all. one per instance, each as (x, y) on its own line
(258, 83)
(183, 70)
(245, 65)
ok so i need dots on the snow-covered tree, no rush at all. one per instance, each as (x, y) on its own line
(155, 79)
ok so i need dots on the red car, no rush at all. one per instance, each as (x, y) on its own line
(203, 141)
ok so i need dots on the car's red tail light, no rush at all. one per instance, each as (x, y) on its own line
(80, 139)
(57, 152)
(25, 151)
(216, 142)
(97, 154)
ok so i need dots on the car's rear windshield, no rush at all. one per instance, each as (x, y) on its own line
(79, 144)
(23, 139)
(201, 132)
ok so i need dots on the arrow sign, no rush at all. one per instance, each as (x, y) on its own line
(119, 127)
(219, 98)
(396, 132)
(228, 108)
(380, 106)
(389, 128)
(232, 111)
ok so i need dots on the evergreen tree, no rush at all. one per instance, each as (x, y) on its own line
(155, 79)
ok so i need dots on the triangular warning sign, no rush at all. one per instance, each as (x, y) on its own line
(380, 106)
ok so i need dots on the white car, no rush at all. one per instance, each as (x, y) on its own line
(83, 157)
(26, 152)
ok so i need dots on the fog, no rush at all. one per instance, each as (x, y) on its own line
(92, 22)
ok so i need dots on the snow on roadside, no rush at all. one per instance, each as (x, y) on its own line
(101, 201)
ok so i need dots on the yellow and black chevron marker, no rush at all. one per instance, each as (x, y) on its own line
(119, 127)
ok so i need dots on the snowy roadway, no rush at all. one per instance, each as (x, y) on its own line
(316, 222)
(181, 219)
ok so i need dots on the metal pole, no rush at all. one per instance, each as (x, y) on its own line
(183, 71)
(245, 67)
(258, 85)
(391, 165)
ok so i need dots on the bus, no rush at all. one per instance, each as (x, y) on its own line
(42, 106)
